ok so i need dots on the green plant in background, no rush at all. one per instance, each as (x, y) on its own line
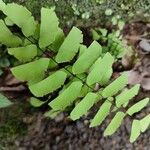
(4, 102)
(112, 41)
(65, 72)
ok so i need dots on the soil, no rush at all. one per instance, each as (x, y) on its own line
(63, 134)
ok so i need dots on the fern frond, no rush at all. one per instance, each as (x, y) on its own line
(74, 72)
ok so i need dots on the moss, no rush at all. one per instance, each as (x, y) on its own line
(12, 125)
(89, 13)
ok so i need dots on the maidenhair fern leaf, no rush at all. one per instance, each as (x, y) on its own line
(49, 27)
(51, 114)
(6, 37)
(4, 102)
(139, 126)
(83, 48)
(22, 17)
(101, 114)
(59, 39)
(125, 96)
(114, 124)
(2, 5)
(32, 72)
(67, 97)
(86, 60)
(106, 78)
(138, 106)
(100, 69)
(83, 106)
(8, 22)
(85, 89)
(145, 123)
(70, 46)
(115, 86)
(96, 63)
(36, 102)
(48, 85)
(135, 131)
(24, 54)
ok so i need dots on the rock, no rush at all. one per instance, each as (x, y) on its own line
(145, 45)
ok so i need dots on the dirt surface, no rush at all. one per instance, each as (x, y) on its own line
(64, 134)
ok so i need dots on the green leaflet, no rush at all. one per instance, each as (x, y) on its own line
(138, 106)
(58, 41)
(2, 5)
(22, 17)
(70, 46)
(115, 86)
(101, 71)
(96, 63)
(86, 60)
(83, 48)
(135, 131)
(83, 106)
(24, 54)
(85, 89)
(139, 126)
(114, 124)
(48, 85)
(49, 27)
(32, 72)
(67, 97)
(95, 35)
(125, 96)
(51, 114)
(106, 78)
(145, 122)
(8, 22)
(101, 114)
(4, 102)
(6, 37)
(36, 102)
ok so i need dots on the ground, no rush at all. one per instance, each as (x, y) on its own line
(23, 127)
(90, 13)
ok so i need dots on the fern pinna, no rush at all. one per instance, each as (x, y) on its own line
(50, 62)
